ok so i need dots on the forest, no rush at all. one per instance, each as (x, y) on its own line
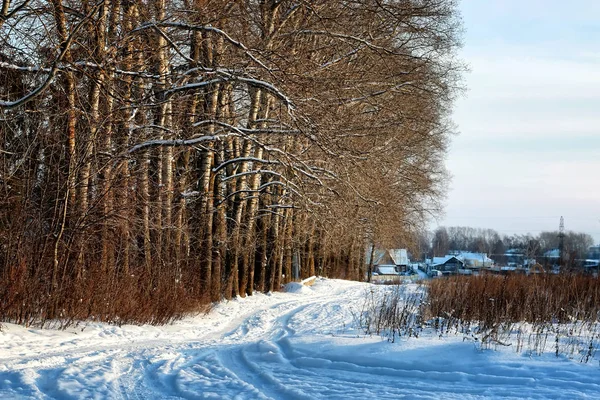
(156, 156)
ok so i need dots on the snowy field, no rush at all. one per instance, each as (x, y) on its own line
(297, 345)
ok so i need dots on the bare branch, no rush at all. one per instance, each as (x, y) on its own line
(203, 28)
(8, 105)
(233, 78)
(245, 159)
(177, 142)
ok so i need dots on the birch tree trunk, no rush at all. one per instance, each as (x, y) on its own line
(274, 266)
(244, 205)
(248, 261)
(69, 84)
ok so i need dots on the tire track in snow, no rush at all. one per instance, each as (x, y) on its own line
(450, 381)
(273, 346)
(238, 361)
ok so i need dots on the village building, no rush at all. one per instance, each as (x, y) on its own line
(447, 265)
(475, 261)
(389, 264)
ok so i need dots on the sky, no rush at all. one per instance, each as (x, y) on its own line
(528, 148)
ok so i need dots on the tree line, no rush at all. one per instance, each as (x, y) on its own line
(445, 239)
(158, 155)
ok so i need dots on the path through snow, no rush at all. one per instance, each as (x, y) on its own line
(299, 345)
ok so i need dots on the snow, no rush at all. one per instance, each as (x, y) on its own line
(386, 269)
(296, 287)
(441, 260)
(298, 344)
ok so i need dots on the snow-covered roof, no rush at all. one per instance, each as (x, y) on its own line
(387, 270)
(474, 256)
(554, 253)
(399, 256)
(378, 255)
(590, 262)
(385, 256)
(513, 252)
(443, 260)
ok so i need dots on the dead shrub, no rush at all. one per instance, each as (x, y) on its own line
(392, 312)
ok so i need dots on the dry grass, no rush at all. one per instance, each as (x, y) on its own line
(492, 299)
(534, 315)
(391, 313)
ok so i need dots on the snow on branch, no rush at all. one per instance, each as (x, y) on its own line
(247, 131)
(245, 159)
(331, 174)
(193, 86)
(227, 77)
(266, 185)
(117, 71)
(338, 59)
(258, 171)
(308, 174)
(190, 193)
(13, 67)
(241, 191)
(260, 190)
(266, 213)
(269, 88)
(151, 126)
(176, 142)
(242, 132)
(79, 64)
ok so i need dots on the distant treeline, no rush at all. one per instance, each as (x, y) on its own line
(445, 239)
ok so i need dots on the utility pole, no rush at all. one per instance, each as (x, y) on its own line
(561, 242)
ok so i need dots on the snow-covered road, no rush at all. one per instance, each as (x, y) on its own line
(297, 345)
